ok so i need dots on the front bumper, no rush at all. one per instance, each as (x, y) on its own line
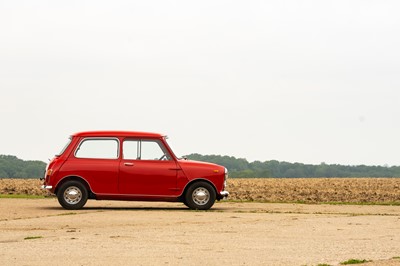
(46, 187)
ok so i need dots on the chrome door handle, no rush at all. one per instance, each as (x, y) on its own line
(128, 164)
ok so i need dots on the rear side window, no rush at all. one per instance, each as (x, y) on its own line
(65, 146)
(98, 149)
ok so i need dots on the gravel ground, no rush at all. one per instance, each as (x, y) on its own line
(39, 232)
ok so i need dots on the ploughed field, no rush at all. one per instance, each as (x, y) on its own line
(306, 190)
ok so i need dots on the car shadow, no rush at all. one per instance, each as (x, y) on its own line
(133, 208)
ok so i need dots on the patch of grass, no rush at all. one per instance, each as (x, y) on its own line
(383, 203)
(396, 258)
(20, 196)
(324, 264)
(353, 261)
(388, 203)
(32, 237)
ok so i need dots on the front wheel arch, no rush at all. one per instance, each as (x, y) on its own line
(182, 196)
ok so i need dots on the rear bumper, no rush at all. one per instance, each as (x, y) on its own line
(46, 187)
(223, 194)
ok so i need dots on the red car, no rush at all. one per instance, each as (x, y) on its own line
(123, 165)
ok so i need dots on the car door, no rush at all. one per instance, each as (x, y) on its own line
(147, 169)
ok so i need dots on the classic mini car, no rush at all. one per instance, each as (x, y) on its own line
(123, 165)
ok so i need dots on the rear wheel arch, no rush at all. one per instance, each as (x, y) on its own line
(75, 178)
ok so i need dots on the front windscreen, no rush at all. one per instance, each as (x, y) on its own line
(169, 144)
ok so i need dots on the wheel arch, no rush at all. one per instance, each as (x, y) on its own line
(182, 196)
(80, 179)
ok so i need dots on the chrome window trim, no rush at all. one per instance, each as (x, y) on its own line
(98, 138)
(138, 143)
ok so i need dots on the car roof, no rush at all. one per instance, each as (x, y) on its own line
(118, 134)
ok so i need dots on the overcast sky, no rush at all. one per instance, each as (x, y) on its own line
(297, 81)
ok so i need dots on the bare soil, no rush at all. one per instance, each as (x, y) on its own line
(307, 190)
(40, 232)
(315, 190)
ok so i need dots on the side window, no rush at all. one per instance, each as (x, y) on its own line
(65, 147)
(144, 150)
(98, 149)
(131, 149)
(151, 150)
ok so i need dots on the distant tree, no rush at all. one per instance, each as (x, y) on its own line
(12, 167)
(291, 173)
(242, 168)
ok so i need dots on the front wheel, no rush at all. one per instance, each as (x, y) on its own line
(72, 195)
(200, 196)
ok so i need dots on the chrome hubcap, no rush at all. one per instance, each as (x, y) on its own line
(201, 196)
(72, 195)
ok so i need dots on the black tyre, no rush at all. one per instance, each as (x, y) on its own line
(72, 195)
(184, 201)
(200, 196)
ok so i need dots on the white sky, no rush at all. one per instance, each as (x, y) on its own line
(298, 81)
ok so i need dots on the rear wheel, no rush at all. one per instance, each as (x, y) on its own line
(200, 196)
(72, 195)
(183, 200)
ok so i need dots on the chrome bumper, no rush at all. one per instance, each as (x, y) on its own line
(224, 194)
(46, 187)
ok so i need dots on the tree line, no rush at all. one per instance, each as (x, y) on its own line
(239, 167)
(13, 167)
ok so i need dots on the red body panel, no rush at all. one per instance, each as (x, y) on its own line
(123, 179)
(157, 178)
(101, 174)
(200, 170)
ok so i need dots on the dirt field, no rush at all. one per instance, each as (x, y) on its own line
(310, 190)
(40, 232)
(314, 190)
